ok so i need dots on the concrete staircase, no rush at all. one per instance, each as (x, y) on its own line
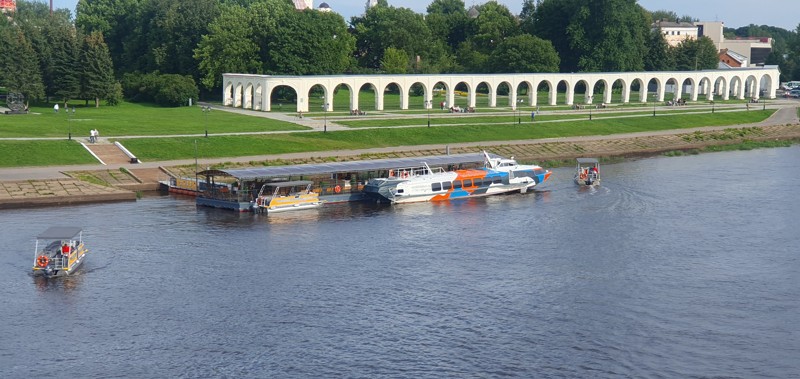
(109, 153)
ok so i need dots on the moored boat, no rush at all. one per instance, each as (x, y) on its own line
(286, 196)
(587, 172)
(59, 251)
(516, 170)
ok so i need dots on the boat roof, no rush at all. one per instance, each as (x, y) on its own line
(588, 160)
(289, 184)
(60, 233)
(343, 167)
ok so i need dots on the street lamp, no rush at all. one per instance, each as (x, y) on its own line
(206, 111)
(519, 111)
(69, 122)
(325, 122)
(589, 98)
(428, 105)
(655, 98)
(712, 106)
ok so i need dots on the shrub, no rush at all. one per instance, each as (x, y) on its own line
(167, 90)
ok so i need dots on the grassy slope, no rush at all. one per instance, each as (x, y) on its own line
(231, 146)
(132, 119)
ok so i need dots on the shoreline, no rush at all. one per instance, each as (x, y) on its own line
(26, 193)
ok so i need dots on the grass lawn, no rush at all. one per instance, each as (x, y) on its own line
(132, 119)
(43, 153)
(231, 146)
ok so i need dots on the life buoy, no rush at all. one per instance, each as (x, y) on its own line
(42, 261)
(337, 189)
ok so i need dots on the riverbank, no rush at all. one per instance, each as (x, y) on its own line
(547, 152)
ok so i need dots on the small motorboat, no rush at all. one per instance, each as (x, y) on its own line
(59, 251)
(587, 172)
(287, 196)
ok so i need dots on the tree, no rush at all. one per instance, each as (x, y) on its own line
(525, 53)
(311, 43)
(65, 74)
(394, 61)
(228, 47)
(494, 24)
(447, 20)
(19, 66)
(696, 54)
(123, 28)
(659, 55)
(384, 27)
(98, 70)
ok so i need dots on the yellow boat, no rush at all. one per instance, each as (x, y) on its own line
(59, 251)
(286, 196)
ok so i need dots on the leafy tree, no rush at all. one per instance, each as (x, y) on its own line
(696, 54)
(494, 24)
(123, 29)
(98, 71)
(663, 14)
(524, 53)
(384, 27)
(447, 20)
(659, 55)
(394, 61)
(228, 47)
(311, 43)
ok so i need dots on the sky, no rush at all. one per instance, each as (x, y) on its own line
(734, 13)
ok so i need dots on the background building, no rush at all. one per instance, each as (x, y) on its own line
(676, 32)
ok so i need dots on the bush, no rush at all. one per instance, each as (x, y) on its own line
(167, 90)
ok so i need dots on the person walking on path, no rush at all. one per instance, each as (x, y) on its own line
(55, 108)
(533, 115)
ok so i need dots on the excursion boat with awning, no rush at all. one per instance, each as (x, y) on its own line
(587, 172)
(59, 251)
(286, 196)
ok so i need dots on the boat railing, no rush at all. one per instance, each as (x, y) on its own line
(407, 172)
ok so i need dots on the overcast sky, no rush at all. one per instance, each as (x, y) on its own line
(734, 13)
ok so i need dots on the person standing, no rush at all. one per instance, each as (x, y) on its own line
(55, 108)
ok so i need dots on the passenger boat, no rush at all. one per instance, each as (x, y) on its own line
(440, 185)
(514, 169)
(286, 196)
(59, 251)
(587, 172)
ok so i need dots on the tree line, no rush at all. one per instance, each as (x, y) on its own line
(166, 49)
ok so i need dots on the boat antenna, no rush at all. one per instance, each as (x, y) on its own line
(489, 161)
(427, 167)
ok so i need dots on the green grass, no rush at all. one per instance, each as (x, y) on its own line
(129, 119)
(233, 146)
(509, 116)
(43, 153)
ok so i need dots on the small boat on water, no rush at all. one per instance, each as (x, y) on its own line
(286, 196)
(59, 251)
(587, 172)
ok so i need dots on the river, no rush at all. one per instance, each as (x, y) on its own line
(676, 267)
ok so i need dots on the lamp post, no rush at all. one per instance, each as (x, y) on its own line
(519, 111)
(764, 102)
(69, 122)
(428, 105)
(206, 111)
(655, 98)
(589, 98)
(325, 118)
(712, 106)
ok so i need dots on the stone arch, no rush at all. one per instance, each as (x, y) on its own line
(237, 95)
(462, 93)
(569, 94)
(247, 96)
(736, 87)
(620, 86)
(417, 95)
(638, 85)
(655, 90)
(318, 98)
(504, 89)
(338, 104)
(524, 90)
(689, 89)
(672, 89)
(439, 94)
(720, 87)
(765, 86)
(283, 95)
(546, 93)
(600, 90)
(367, 91)
(582, 84)
(704, 88)
(750, 87)
(227, 94)
(397, 96)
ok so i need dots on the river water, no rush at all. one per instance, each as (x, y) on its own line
(681, 267)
